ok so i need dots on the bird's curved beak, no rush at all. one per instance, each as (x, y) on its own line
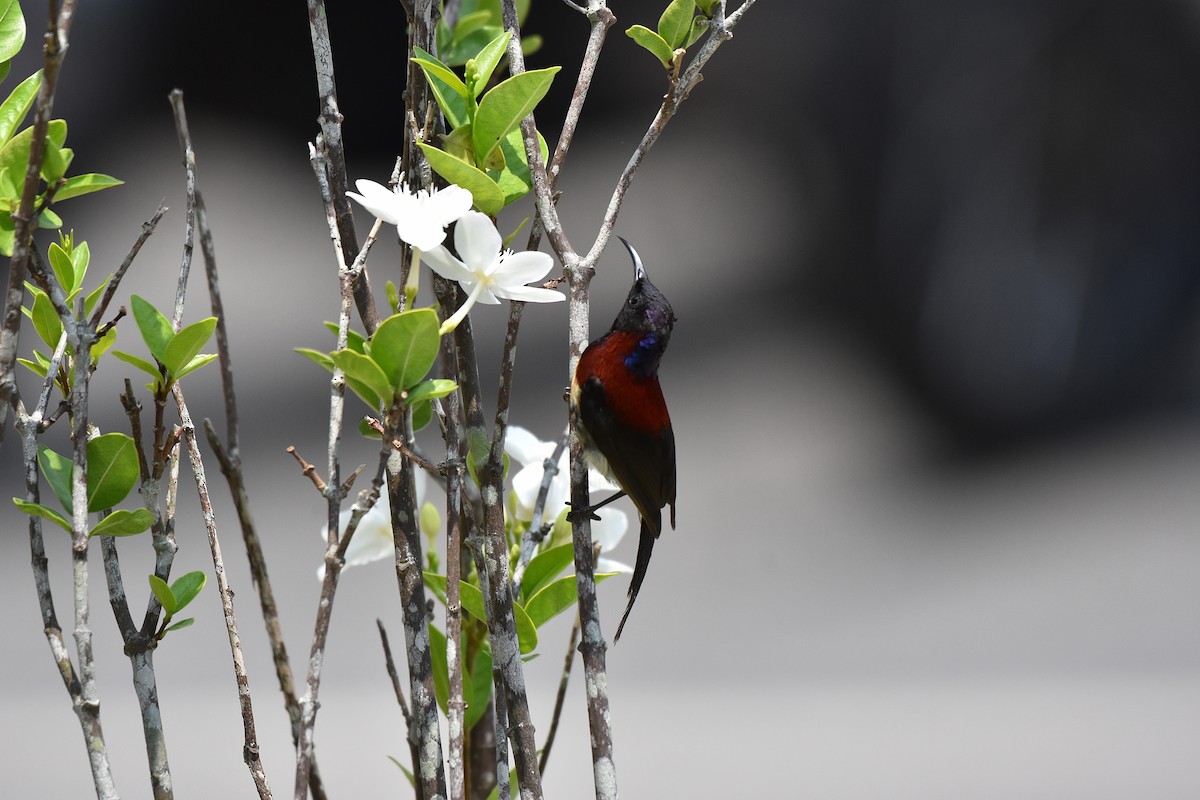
(639, 271)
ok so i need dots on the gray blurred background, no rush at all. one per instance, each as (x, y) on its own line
(934, 388)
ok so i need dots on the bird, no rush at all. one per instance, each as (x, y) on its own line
(626, 428)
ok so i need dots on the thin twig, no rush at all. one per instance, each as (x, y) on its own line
(560, 697)
(109, 291)
(250, 747)
(536, 530)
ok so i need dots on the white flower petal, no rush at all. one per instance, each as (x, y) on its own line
(527, 266)
(421, 228)
(443, 263)
(528, 294)
(477, 242)
(528, 482)
(450, 204)
(379, 200)
(524, 447)
(610, 528)
(372, 539)
(608, 565)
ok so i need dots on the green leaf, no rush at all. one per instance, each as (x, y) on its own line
(555, 598)
(54, 162)
(656, 44)
(545, 567)
(14, 155)
(441, 668)
(427, 390)
(12, 29)
(166, 598)
(187, 587)
(196, 363)
(422, 415)
(56, 469)
(369, 381)
(488, 59)
(156, 329)
(477, 687)
(39, 510)
(676, 22)
(140, 363)
(505, 105)
(45, 320)
(36, 368)
(112, 470)
(472, 602)
(412, 779)
(448, 89)
(354, 340)
(514, 180)
(87, 183)
(405, 346)
(699, 26)
(318, 357)
(487, 195)
(48, 220)
(89, 302)
(18, 103)
(123, 523)
(183, 623)
(706, 6)
(64, 269)
(184, 346)
(103, 344)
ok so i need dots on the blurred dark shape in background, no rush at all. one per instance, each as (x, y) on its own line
(1003, 198)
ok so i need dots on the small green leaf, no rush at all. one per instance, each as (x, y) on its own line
(405, 346)
(140, 363)
(56, 469)
(487, 196)
(103, 345)
(319, 358)
(676, 22)
(505, 105)
(514, 179)
(448, 89)
(656, 44)
(412, 779)
(112, 470)
(123, 523)
(555, 598)
(488, 59)
(39, 510)
(14, 155)
(87, 183)
(196, 363)
(89, 302)
(369, 381)
(18, 103)
(187, 587)
(12, 29)
(706, 6)
(422, 415)
(48, 220)
(36, 368)
(699, 26)
(545, 567)
(472, 602)
(354, 340)
(156, 329)
(183, 623)
(163, 592)
(64, 269)
(441, 668)
(429, 389)
(54, 163)
(45, 320)
(184, 345)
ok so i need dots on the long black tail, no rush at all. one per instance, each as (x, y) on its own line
(645, 547)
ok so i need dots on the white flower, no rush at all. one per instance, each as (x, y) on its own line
(485, 271)
(420, 218)
(529, 451)
(372, 539)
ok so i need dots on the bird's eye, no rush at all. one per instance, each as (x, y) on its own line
(633, 301)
